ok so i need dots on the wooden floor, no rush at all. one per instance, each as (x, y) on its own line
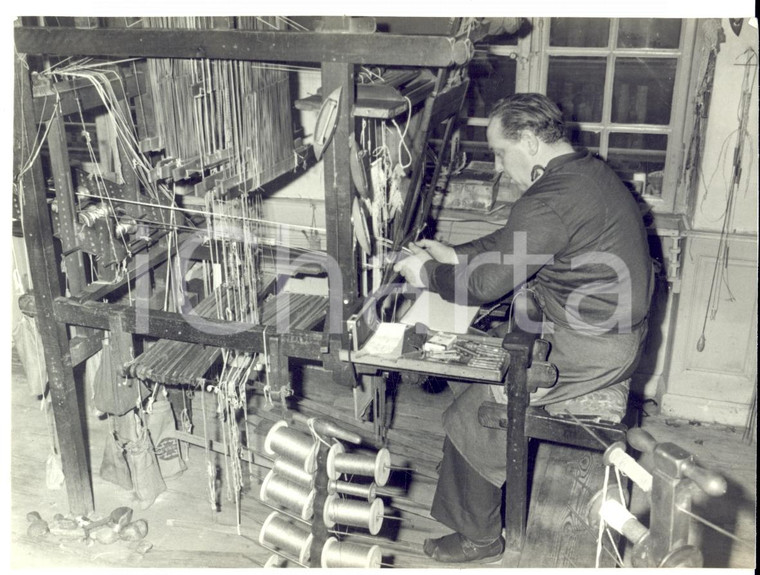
(187, 530)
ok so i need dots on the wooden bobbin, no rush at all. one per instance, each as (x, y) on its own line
(339, 462)
(292, 472)
(307, 456)
(354, 512)
(335, 450)
(300, 540)
(276, 489)
(341, 554)
(368, 492)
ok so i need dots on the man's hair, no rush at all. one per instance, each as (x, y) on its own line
(529, 111)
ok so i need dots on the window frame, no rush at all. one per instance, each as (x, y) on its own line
(541, 51)
(532, 53)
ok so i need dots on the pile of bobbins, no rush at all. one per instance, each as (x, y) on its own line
(290, 484)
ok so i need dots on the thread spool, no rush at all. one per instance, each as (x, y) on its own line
(276, 489)
(292, 445)
(293, 472)
(616, 455)
(91, 214)
(378, 467)
(368, 492)
(125, 226)
(343, 554)
(278, 533)
(622, 520)
(354, 512)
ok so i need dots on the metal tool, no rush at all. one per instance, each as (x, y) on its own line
(118, 519)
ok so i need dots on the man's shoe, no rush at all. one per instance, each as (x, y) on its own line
(456, 548)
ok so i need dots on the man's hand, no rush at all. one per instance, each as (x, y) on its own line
(411, 267)
(440, 252)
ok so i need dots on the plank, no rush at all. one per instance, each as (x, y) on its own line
(338, 47)
(557, 534)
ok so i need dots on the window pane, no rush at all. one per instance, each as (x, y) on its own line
(649, 33)
(577, 86)
(491, 79)
(581, 139)
(639, 159)
(643, 90)
(585, 32)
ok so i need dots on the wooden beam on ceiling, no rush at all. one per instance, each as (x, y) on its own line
(266, 46)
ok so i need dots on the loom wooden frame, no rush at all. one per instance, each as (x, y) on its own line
(337, 52)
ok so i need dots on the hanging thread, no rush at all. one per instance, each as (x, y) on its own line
(355, 513)
(368, 492)
(293, 445)
(288, 494)
(277, 532)
(342, 554)
(379, 467)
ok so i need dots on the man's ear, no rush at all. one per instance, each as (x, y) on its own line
(530, 140)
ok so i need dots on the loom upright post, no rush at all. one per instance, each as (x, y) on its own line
(43, 264)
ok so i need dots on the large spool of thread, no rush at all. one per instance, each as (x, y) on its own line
(616, 455)
(293, 445)
(292, 472)
(368, 492)
(354, 512)
(277, 532)
(276, 489)
(378, 467)
(622, 521)
(343, 554)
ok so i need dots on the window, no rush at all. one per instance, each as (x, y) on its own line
(621, 84)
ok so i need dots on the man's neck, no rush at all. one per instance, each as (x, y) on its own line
(550, 151)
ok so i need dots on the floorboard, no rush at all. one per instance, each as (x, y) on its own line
(186, 530)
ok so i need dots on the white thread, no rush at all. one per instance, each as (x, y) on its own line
(343, 554)
(288, 494)
(368, 492)
(292, 471)
(378, 467)
(615, 514)
(280, 534)
(628, 466)
(353, 512)
(291, 444)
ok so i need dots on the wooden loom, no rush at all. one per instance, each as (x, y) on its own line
(110, 254)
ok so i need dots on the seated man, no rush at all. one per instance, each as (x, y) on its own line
(577, 235)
